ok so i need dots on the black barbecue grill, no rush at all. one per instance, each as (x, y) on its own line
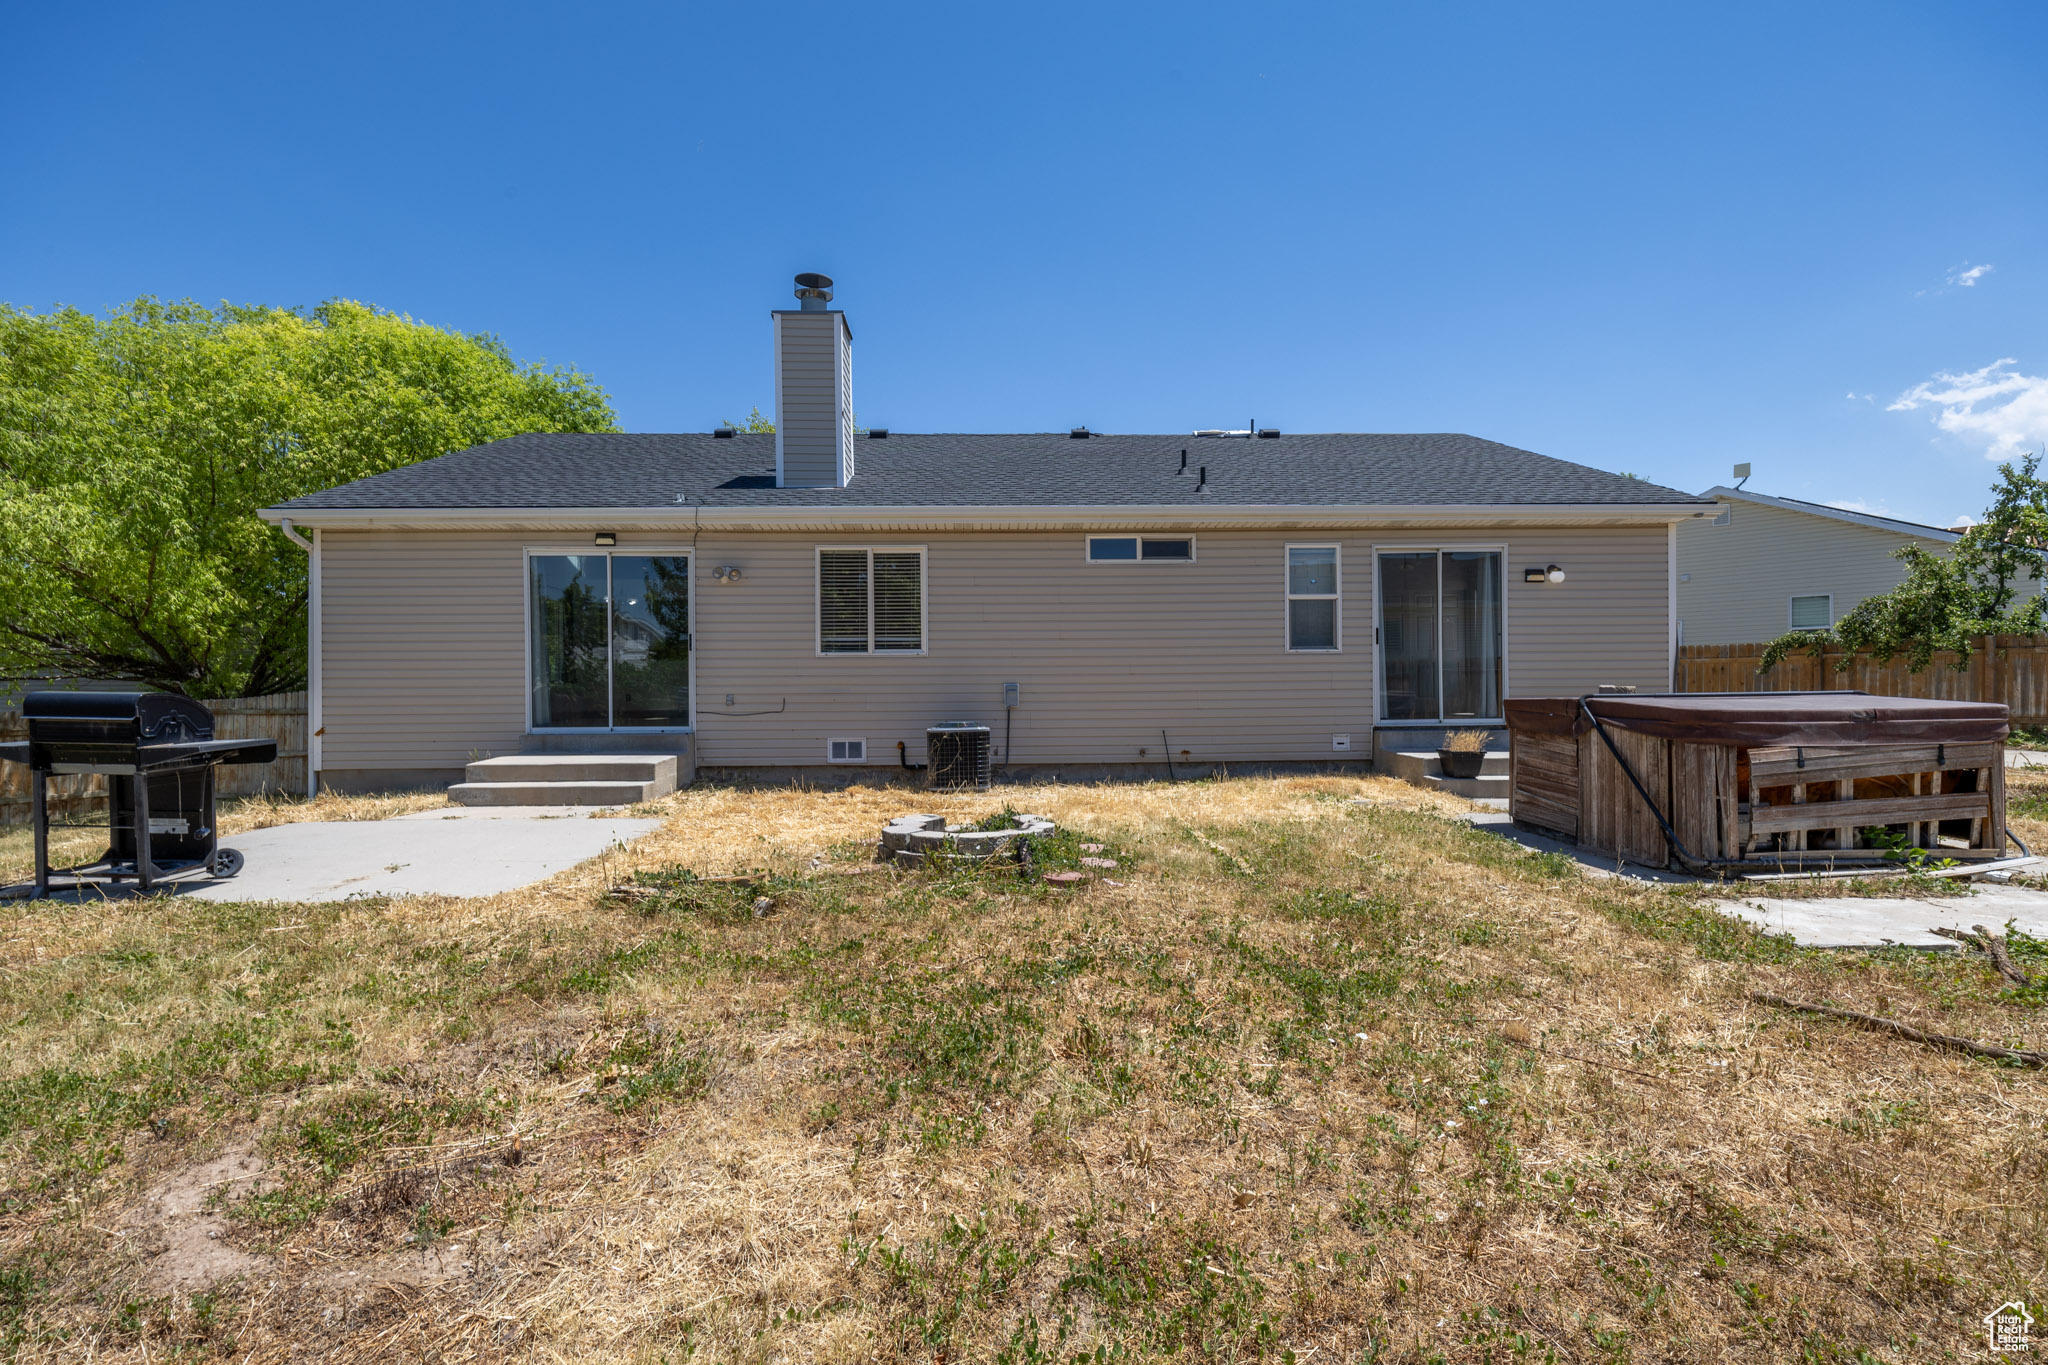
(158, 753)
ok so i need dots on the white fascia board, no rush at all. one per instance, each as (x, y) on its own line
(1816, 509)
(1081, 517)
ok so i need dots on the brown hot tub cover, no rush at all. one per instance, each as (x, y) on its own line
(1754, 719)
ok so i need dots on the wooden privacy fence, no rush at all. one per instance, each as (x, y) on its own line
(2004, 668)
(281, 717)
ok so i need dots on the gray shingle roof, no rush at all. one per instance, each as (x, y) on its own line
(1033, 469)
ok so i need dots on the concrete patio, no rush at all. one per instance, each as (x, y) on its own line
(479, 851)
(1828, 921)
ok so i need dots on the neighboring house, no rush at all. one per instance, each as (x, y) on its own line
(1767, 565)
(816, 596)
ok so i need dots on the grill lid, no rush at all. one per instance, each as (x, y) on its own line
(145, 717)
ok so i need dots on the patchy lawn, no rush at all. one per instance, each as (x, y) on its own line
(1301, 1078)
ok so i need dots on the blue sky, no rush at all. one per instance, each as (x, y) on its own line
(1650, 238)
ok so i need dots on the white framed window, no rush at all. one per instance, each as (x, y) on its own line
(1313, 625)
(846, 751)
(1132, 549)
(871, 599)
(608, 638)
(1439, 633)
(1812, 611)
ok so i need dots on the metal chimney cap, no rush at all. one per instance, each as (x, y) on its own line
(812, 280)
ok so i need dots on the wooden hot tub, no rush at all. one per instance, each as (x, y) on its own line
(1771, 779)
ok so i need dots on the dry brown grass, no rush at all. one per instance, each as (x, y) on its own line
(1316, 1076)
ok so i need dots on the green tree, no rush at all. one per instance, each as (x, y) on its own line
(755, 423)
(1981, 587)
(134, 449)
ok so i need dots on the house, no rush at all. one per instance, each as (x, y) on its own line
(1767, 565)
(810, 600)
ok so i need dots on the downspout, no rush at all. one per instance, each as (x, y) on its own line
(313, 724)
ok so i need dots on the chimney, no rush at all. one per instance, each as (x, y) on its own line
(813, 390)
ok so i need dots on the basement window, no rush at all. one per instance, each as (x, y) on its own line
(1815, 611)
(1111, 549)
(871, 601)
(846, 751)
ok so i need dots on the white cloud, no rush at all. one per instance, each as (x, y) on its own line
(2007, 409)
(1868, 509)
(1964, 276)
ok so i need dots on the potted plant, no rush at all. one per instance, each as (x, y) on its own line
(1463, 753)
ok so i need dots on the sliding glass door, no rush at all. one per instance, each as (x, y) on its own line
(609, 644)
(1439, 635)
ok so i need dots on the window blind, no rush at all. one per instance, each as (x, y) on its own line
(843, 601)
(870, 601)
(899, 600)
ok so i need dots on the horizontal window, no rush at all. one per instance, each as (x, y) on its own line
(1815, 611)
(870, 601)
(1111, 548)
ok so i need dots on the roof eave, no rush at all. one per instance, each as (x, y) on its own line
(1821, 509)
(997, 518)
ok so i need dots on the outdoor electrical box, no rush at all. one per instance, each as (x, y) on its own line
(1010, 694)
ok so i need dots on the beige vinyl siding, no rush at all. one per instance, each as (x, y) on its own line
(807, 416)
(1608, 622)
(424, 664)
(1744, 575)
(422, 647)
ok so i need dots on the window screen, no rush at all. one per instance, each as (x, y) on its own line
(1815, 612)
(870, 601)
(1112, 548)
(1311, 597)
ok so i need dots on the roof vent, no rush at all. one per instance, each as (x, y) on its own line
(723, 433)
(1079, 434)
(1269, 433)
(813, 291)
(878, 433)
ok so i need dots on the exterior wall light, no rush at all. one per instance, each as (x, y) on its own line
(605, 538)
(1554, 574)
(726, 573)
(1551, 574)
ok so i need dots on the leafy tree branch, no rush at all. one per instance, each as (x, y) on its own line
(136, 448)
(1988, 584)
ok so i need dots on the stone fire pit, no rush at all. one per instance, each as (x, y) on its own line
(914, 838)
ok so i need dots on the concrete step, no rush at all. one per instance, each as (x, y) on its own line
(1420, 765)
(553, 793)
(658, 769)
(1485, 787)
